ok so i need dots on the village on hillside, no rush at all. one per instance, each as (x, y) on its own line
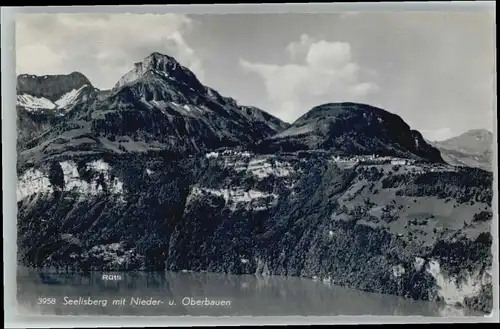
(412, 165)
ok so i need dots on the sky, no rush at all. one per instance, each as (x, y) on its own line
(436, 70)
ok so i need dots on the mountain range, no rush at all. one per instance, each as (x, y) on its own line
(163, 173)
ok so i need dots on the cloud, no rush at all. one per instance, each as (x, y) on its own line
(327, 74)
(299, 48)
(101, 46)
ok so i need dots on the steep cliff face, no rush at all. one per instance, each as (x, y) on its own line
(376, 227)
(372, 226)
(164, 173)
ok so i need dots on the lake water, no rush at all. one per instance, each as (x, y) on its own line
(205, 294)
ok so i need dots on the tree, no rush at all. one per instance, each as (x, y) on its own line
(56, 175)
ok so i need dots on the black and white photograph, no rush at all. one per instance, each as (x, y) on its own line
(256, 164)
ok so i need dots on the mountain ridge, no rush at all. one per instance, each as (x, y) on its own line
(356, 129)
(473, 148)
(159, 104)
(51, 87)
(160, 78)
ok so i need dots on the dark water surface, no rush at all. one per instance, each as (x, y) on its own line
(43, 292)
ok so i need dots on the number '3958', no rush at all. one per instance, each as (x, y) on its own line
(48, 301)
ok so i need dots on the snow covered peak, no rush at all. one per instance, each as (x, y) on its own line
(33, 103)
(51, 87)
(69, 98)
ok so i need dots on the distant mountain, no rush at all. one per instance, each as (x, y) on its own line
(473, 148)
(43, 100)
(52, 92)
(163, 173)
(353, 129)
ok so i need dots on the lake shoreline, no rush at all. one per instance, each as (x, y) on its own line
(313, 297)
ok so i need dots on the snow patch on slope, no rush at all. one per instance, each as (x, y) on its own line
(69, 97)
(189, 108)
(32, 103)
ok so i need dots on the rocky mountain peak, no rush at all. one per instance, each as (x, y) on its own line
(161, 62)
(160, 65)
